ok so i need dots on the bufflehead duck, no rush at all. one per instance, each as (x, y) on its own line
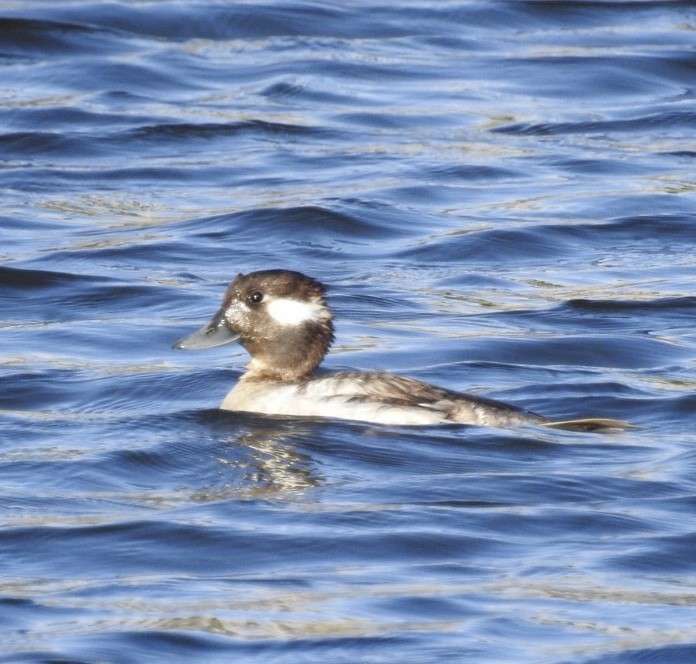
(282, 319)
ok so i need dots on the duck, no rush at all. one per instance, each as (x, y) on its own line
(282, 319)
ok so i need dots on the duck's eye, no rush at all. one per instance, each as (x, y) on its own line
(255, 297)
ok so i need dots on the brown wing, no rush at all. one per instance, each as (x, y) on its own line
(454, 406)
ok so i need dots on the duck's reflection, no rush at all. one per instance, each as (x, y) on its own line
(265, 452)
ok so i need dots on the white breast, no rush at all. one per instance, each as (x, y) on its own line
(317, 399)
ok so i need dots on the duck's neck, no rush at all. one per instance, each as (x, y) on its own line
(293, 360)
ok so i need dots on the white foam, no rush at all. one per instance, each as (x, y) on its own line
(294, 312)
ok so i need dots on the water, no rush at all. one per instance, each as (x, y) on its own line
(500, 196)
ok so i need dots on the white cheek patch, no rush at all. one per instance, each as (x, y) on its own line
(294, 312)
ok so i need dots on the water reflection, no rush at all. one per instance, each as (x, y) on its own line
(269, 459)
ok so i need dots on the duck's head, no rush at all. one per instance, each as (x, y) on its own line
(279, 316)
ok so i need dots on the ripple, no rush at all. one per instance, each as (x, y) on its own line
(21, 36)
(184, 131)
(681, 119)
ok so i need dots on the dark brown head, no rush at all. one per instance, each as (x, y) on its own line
(279, 316)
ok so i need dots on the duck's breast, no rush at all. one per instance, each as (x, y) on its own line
(329, 398)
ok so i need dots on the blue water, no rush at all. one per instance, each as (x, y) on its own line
(501, 197)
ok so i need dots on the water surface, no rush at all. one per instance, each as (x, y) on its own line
(500, 197)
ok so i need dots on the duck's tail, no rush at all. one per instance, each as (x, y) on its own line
(599, 424)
